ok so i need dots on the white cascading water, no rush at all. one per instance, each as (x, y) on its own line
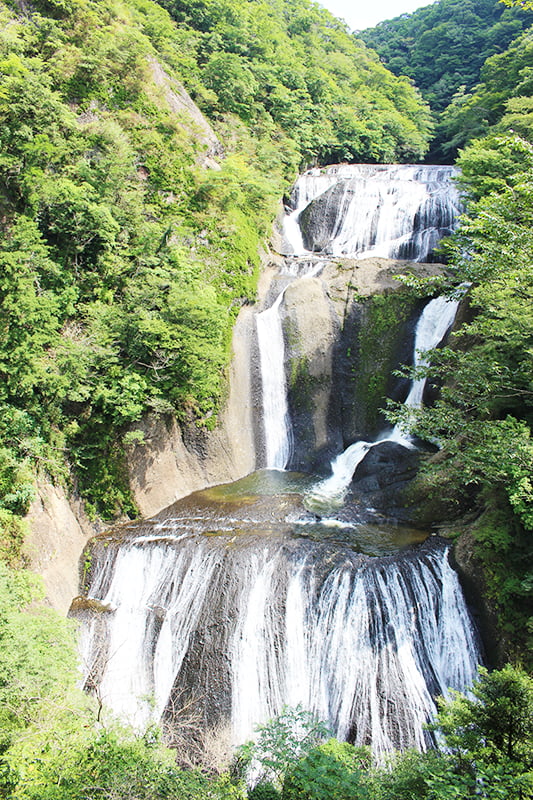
(243, 614)
(144, 591)
(436, 320)
(276, 418)
(434, 323)
(389, 211)
(364, 643)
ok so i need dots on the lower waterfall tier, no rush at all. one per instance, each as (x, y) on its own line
(236, 602)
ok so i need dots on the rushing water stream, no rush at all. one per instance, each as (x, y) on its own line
(240, 599)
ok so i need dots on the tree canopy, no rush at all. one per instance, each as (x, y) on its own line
(124, 260)
(443, 46)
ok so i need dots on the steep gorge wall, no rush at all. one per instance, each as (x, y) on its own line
(346, 331)
(172, 461)
(175, 460)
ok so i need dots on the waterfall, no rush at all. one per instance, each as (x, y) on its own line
(236, 601)
(276, 418)
(433, 325)
(364, 643)
(363, 210)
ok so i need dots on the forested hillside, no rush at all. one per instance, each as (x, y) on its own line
(500, 102)
(124, 260)
(443, 46)
(130, 234)
(447, 48)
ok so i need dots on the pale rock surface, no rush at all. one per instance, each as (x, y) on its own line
(192, 119)
(311, 328)
(59, 530)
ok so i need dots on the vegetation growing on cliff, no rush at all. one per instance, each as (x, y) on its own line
(292, 70)
(484, 415)
(377, 346)
(123, 260)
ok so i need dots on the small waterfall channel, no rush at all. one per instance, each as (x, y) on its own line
(276, 419)
(435, 321)
(241, 599)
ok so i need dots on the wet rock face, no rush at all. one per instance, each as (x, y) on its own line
(311, 330)
(319, 220)
(344, 337)
(383, 477)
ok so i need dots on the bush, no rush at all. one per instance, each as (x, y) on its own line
(331, 771)
(264, 791)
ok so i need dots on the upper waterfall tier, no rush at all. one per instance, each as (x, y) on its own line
(392, 211)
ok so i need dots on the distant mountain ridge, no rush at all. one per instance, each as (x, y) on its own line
(444, 45)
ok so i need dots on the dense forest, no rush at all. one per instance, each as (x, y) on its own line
(447, 48)
(128, 243)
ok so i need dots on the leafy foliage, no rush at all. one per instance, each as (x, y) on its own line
(293, 70)
(499, 103)
(332, 771)
(443, 46)
(487, 741)
(279, 743)
(470, 63)
(484, 415)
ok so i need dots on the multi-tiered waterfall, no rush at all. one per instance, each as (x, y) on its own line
(237, 601)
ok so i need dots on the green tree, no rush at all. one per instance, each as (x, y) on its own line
(490, 735)
(443, 46)
(332, 771)
(279, 743)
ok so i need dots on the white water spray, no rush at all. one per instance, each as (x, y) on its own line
(276, 420)
(363, 210)
(434, 323)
